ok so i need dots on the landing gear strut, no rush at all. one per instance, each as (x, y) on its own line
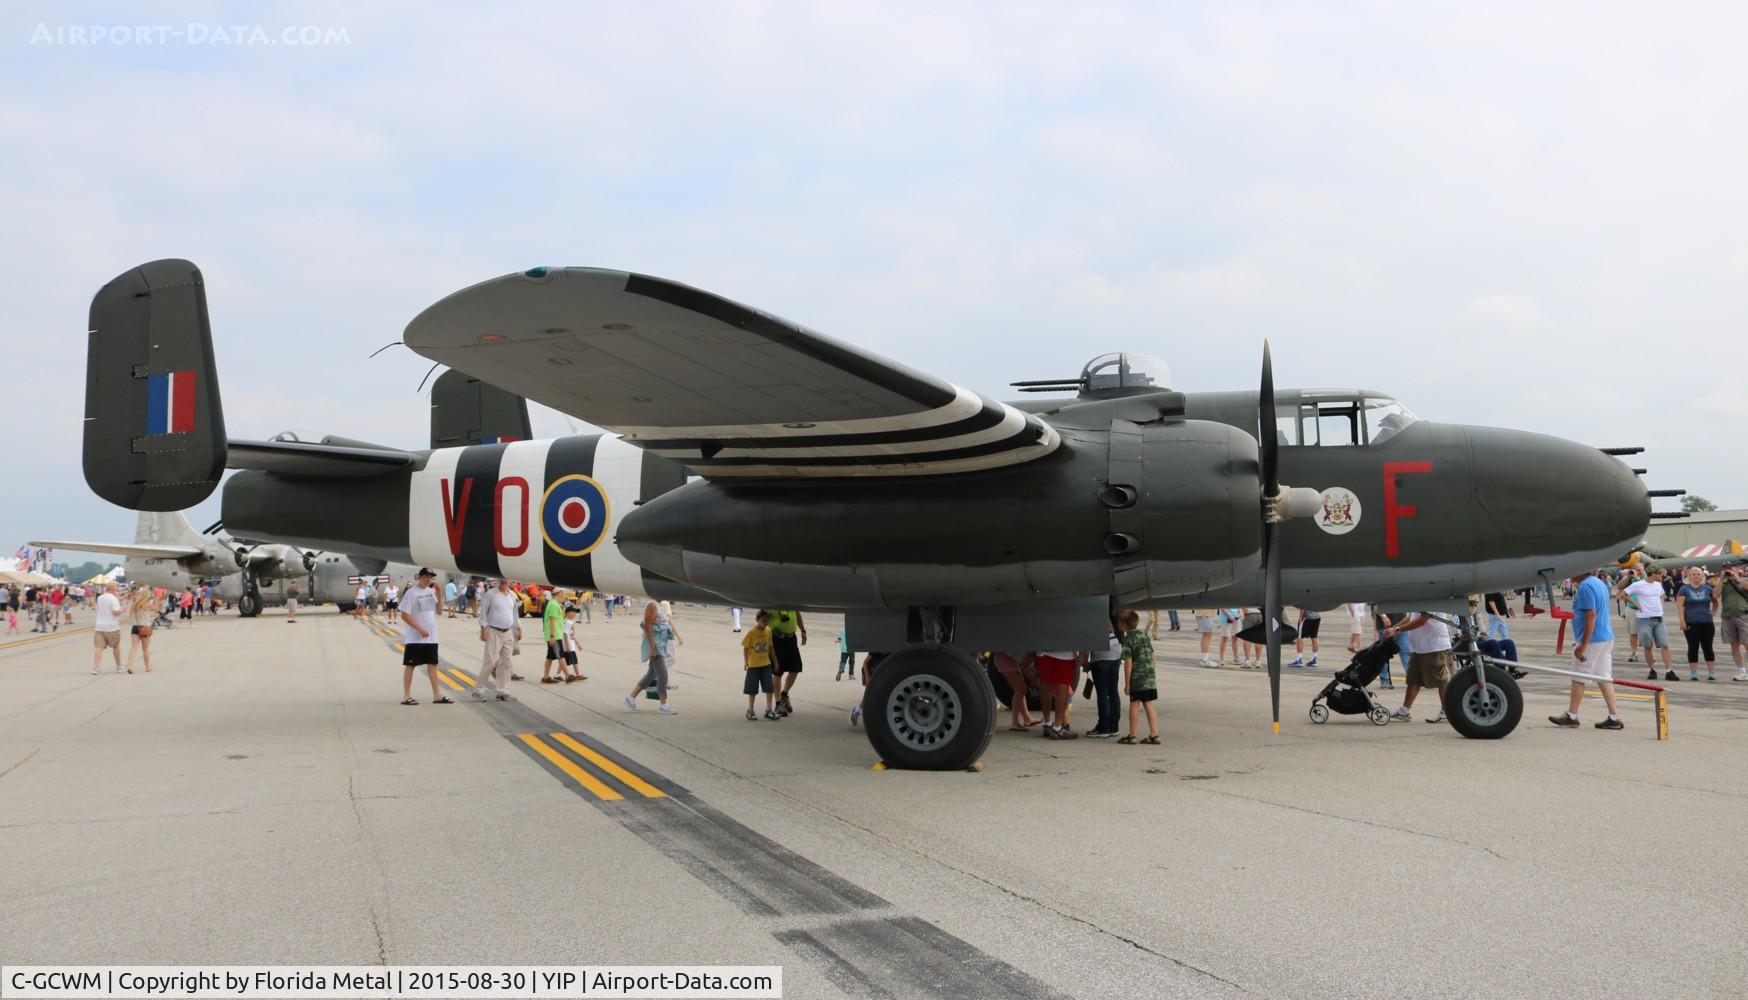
(929, 708)
(249, 605)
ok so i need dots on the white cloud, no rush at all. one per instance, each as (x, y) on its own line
(1509, 312)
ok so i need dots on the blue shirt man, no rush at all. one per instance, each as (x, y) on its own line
(1592, 596)
(1592, 652)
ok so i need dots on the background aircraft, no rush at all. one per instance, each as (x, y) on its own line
(167, 552)
(752, 461)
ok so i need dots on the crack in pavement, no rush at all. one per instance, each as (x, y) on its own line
(1350, 819)
(21, 763)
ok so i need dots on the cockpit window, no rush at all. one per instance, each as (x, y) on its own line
(1386, 418)
(1330, 423)
(1125, 371)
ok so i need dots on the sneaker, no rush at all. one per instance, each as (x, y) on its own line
(1741, 675)
(1099, 734)
(1671, 676)
(630, 704)
(1693, 675)
(773, 716)
(95, 672)
(1401, 713)
(1298, 661)
(1388, 686)
(1611, 724)
(839, 677)
(667, 710)
(1564, 721)
(1440, 717)
(856, 715)
(515, 677)
(476, 694)
(1651, 676)
(1313, 660)
(1633, 658)
(1065, 733)
(1711, 676)
(752, 716)
(503, 696)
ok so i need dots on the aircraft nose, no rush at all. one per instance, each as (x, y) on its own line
(1557, 495)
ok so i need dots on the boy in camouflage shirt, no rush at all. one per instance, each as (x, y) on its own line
(1138, 678)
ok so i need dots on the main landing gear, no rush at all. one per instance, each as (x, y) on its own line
(249, 605)
(1483, 713)
(929, 708)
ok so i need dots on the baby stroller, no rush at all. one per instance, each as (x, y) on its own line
(1347, 693)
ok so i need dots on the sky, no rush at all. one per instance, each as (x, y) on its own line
(1516, 214)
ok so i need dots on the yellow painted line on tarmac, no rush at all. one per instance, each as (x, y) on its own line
(45, 637)
(460, 678)
(630, 780)
(400, 647)
(445, 679)
(565, 764)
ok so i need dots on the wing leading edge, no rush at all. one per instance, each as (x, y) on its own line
(725, 389)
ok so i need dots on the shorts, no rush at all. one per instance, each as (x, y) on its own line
(106, 640)
(1308, 628)
(570, 657)
(291, 605)
(1598, 661)
(554, 649)
(1356, 626)
(785, 653)
(391, 605)
(1052, 670)
(1733, 630)
(1145, 694)
(1429, 670)
(1228, 630)
(1205, 624)
(1651, 633)
(420, 654)
(758, 679)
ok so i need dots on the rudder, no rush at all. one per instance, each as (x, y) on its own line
(154, 429)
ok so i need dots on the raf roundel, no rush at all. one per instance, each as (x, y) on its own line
(574, 515)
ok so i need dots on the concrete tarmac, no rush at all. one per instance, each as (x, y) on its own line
(261, 797)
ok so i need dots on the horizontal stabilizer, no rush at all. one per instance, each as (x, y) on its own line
(154, 431)
(130, 551)
(305, 460)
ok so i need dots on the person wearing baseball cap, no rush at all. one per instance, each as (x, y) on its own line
(419, 637)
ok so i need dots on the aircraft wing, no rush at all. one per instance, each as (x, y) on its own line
(132, 551)
(722, 388)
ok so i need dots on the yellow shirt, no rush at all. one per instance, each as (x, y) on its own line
(757, 644)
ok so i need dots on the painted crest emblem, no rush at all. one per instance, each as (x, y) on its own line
(1340, 512)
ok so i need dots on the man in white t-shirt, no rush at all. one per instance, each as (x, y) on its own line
(1646, 596)
(419, 637)
(106, 631)
(1429, 660)
(391, 600)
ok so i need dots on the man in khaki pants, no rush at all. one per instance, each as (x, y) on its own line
(499, 628)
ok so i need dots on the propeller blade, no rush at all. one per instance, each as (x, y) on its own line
(1271, 614)
(1268, 437)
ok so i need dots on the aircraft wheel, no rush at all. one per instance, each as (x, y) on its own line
(346, 608)
(249, 605)
(929, 708)
(1319, 714)
(1380, 716)
(1479, 714)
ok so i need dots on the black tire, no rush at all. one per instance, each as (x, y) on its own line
(346, 608)
(929, 708)
(249, 605)
(1479, 715)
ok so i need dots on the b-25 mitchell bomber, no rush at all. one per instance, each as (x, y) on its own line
(751, 461)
